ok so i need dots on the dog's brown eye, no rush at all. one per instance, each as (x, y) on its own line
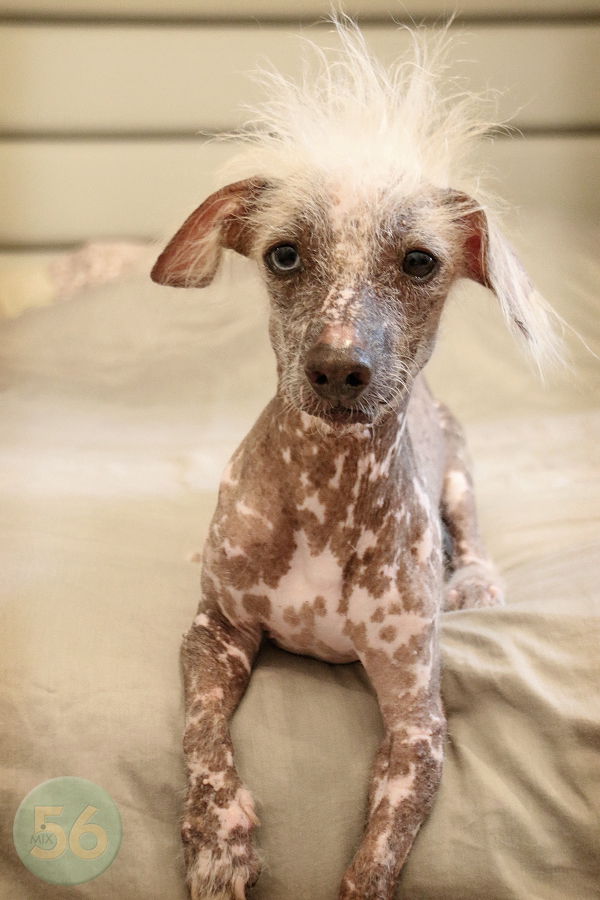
(418, 264)
(284, 258)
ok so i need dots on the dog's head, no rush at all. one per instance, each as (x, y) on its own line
(356, 228)
(357, 281)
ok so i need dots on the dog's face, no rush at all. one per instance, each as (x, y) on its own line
(357, 282)
(356, 292)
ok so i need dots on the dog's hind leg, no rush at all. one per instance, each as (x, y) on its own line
(218, 812)
(472, 579)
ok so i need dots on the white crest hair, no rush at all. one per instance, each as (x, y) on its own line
(397, 130)
(348, 114)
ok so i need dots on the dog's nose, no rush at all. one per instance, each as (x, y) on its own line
(338, 374)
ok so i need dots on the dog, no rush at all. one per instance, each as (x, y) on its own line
(346, 520)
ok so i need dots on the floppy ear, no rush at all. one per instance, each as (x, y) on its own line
(192, 256)
(489, 259)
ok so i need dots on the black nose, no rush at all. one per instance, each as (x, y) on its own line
(339, 375)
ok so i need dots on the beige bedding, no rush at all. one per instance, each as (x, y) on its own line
(119, 408)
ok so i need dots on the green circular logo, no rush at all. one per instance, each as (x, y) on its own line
(67, 830)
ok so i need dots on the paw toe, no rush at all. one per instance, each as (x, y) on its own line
(476, 585)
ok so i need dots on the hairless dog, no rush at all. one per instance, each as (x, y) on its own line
(346, 519)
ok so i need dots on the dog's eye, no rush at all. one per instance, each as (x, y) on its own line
(418, 264)
(284, 258)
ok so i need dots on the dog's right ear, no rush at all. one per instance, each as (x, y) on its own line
(192, 256)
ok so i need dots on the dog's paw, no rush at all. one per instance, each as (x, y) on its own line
(474, 585)
(221, 861)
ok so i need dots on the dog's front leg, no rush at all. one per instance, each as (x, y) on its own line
(408, 764)
(218, 812)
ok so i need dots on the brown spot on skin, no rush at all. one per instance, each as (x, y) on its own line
(389, 675)
(319, 606)
(307, 614)
(378, 615)
(358, 634)
(388, 633)
(417, 647)
(304, 639)
(342, 607)
(259, 607)
(291, 616)
(375, 580)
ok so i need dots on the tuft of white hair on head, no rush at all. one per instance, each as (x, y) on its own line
(391, 131)
(348, 115)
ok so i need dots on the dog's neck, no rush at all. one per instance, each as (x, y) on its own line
(318, 446)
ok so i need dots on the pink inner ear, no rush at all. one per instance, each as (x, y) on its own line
(475, 249)
(192, 255)
(474, 235)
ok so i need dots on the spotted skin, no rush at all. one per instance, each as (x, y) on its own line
(218, 816)
(331, 544)
(329, 530)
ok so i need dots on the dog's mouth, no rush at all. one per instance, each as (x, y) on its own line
(340, 412)
(338, 415)
(345, 415)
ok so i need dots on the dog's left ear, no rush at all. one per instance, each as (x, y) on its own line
(192, 256)
(489, 259)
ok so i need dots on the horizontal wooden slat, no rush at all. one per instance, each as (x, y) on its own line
(273, 8)
(52, 192)
(77, 78)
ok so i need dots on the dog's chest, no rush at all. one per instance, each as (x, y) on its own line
(346, 555)
(323, 597)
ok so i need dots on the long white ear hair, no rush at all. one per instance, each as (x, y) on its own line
(490, 260)
(529, 316)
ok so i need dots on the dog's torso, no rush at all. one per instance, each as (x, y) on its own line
(332, 542)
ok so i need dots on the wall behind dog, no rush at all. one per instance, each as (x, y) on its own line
(101, 101)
